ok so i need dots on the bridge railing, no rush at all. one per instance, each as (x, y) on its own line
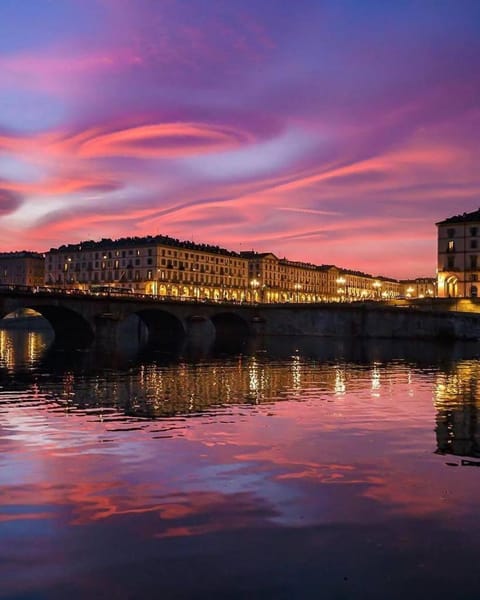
(49, 290)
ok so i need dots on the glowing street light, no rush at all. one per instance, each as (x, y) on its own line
(376, 285)
(254, 283)
(341, 281)
(297, 287)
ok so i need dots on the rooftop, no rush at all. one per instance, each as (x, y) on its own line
(129, 242)
(473, 217)
(21, 254)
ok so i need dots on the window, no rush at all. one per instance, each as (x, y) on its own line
(474, 277)
(473, 291)
(450, 232)
(451, 246)
(473, 231)
(473, 261)
(450, 262)
(473, 244)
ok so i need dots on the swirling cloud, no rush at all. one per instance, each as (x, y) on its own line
(244, 126)
(9, 201)
(161, 140)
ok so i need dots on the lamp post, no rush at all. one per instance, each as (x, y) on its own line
(254, 283)
(377, 285)
(410, 291)
(298, 287)
(341, 290)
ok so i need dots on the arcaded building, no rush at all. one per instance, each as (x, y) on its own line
(274, 279)
(458, 266)
(420, 287)
(154, 265)
(166, 267)
(21, 268)
(282, 280)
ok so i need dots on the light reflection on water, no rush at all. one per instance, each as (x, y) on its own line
(294, 468)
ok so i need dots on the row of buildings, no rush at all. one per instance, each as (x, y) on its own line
(164, 266)
(167, 267)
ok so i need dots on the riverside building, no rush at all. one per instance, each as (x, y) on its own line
(458, 255)
(274, 279)
(21, 268)
(159, 266)
(421, 287)
(166, 267)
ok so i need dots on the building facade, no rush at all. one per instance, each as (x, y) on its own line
(159, 266)
(274, 279)
(167, 267)
(458, 267)
(21, 268)
(421, 287)
(281, 280)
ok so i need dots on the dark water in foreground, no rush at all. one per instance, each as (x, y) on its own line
(300, 469)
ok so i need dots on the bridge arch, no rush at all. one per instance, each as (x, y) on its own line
(230, 325)
(69, 327)
(162, 326)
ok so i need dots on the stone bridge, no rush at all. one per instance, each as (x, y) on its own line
(80, 318)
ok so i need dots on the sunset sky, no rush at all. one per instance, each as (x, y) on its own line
(331, 132)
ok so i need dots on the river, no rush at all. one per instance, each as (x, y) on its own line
(285, 468)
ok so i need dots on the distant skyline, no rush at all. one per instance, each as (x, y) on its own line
(329, 132)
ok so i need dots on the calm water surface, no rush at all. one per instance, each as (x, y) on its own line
(298, 468)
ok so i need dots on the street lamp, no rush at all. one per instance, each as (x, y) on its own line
(254, 283)
(410, 291)
(341, 290)
(298, 287)
(377, 285)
